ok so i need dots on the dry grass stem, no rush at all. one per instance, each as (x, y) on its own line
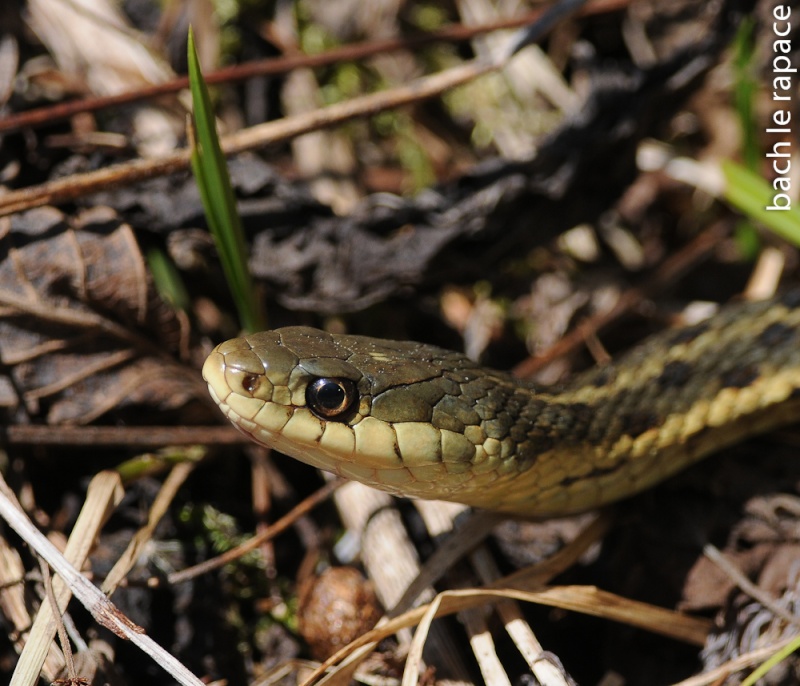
(101, 608)
(158, 509)
(102, 496)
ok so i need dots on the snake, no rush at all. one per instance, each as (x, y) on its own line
(420, 421)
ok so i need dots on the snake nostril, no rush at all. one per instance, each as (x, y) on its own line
(250, 383)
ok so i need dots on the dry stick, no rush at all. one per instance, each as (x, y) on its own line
(102, 496)
(369, 516)
(545, 669)
(735, 574)
(130, 436)
(717, 676)
(584, 599)
(282, 65)
(158, 509)
(455, 545)
(66, 648)
(271, 531)
(101, 608)
(14, 608)
(686, 258)
(533, 577)
(78, 185)
(414, 659)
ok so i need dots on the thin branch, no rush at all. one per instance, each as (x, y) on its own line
(735, 574)
(130, 436)
(101, 608)
(271, 531)
(78, 185)
(282, 65)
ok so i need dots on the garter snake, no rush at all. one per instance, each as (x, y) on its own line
(418, 420)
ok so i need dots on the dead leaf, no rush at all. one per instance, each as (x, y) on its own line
(82, 330)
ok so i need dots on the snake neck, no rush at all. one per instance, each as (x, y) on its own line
(617, 429)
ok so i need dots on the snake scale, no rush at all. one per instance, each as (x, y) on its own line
(418, 420)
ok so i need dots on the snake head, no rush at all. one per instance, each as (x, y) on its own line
(389, 414)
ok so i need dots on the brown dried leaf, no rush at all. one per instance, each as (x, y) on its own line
(82, 330)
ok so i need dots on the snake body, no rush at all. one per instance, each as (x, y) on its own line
(418, 420)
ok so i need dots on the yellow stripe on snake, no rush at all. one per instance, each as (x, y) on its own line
(417, 420)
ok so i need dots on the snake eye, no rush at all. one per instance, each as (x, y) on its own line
(330, 398)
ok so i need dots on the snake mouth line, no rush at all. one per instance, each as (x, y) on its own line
(240, 423)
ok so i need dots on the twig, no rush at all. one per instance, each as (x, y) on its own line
(719, 674)
(131, 436)
(101, 608)
(689, 256)
(270, 532)
(584, 599)
(78, 185)
(282, 65)
(158, 509)
(66, 648)
(37, 657)
(715, 555)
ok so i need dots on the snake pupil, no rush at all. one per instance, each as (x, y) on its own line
(329, 398)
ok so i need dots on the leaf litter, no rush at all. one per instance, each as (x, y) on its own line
(83, 331)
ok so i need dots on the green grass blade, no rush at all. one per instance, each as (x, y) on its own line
(213, 182)
(751, 194)
(167, 280)
(767, 665)
(745, 88)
